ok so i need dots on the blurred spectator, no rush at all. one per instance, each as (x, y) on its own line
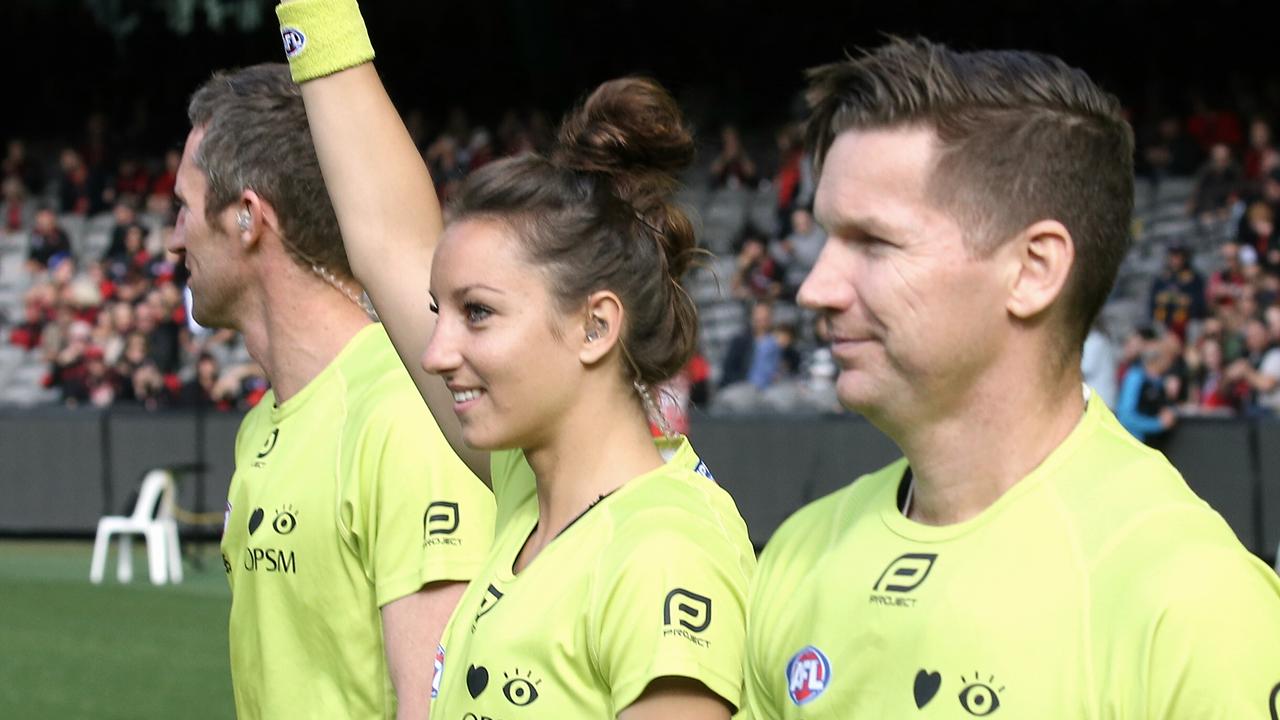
(147, 387)
(1210, 126)
(754, 355)
(820, 370)
(47, 241)
(1143, 407)
(1258, 232)
(1209, 390)
(1167, 151)
(447, 167)
(17, 166)
(688, 388)
(1259, 148)
(27, 333)
(794, 179)
(1226, 285)
(123, 217)
(198, 391)
(130, 184)
(1178, 294)
(1259, 369)
(16, 208)
(160, 199)
(757, 275)
(1098, 365)
(1217, 186)
(732, 168)
(78, 191)
(798, 251)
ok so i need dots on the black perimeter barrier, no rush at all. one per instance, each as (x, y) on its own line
(60, 469)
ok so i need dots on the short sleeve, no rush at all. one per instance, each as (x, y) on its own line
(1215, 653)
(671, 604)
(428, 517)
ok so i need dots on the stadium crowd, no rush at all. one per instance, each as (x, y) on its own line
(104, 307)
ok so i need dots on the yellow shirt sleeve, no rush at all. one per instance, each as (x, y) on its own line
(672, 606)
(426, 517)
(1215, 650)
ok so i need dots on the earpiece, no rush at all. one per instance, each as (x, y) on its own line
(596, 330)
(245, 220)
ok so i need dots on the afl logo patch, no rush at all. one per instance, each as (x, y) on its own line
(808, 675)
(702, 469)
(294, 41)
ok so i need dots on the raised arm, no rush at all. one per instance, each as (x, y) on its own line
(383, 196)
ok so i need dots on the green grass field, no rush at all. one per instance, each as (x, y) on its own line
(69, 649)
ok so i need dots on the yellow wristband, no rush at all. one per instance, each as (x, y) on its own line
(322, 37)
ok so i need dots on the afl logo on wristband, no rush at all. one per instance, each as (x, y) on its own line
(808, 675)
(294, 41)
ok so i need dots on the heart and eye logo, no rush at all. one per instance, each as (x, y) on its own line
(926, 687)
(477, 680)
(255, 520)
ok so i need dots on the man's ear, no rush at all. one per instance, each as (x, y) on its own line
(253, 217)
(1042, 256)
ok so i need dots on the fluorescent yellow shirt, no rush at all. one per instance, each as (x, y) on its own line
(345, 498)
(650, 582)
(1098, 587)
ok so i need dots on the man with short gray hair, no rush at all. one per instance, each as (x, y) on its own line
(351, 527)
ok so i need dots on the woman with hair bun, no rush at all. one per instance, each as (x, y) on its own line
(617, 579)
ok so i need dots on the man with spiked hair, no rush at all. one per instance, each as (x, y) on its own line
(352, 528)
(1027, 558)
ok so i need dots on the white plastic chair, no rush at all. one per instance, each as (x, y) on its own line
(161, 532)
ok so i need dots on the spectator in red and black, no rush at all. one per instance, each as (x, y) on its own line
(732, 167)
(147, 387)
(123, 215)
(130, 256)
(47, 241)
(1178, 294)
(91, 381)
(160, 197)
(1259, 149)
(1210, 392)
(1258, 232)
(17, 165)
(68, 365)
(1218, 184)
(1227, 285)
(758, 275)
(16, 209)
(130, 184)
(27, 333)
(163, 336)
(79, 190)
(198, 391)
(793, 182)
(1265, 191)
